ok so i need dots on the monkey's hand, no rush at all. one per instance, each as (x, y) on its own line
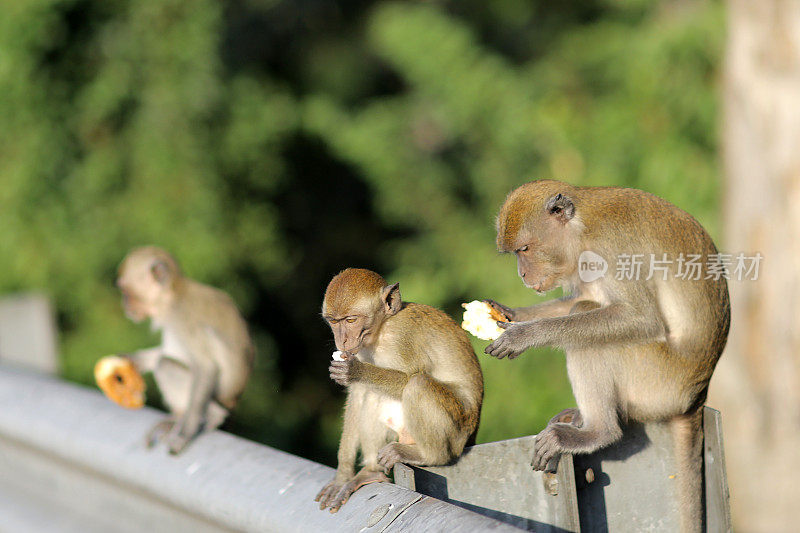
(501, 309)
(518, 337)
(345, 372)
(162, 428)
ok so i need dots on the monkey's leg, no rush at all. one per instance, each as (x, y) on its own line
(348, 450)
(173, 380)
(188, 394)
(687, 434)
(216, 414)
(187, 426)
(372, 436)
(571, 415)
(560, 438)
(430, 410)
(594, 389)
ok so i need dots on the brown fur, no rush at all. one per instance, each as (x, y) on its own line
(206, 354)
(640, 349)
(410, 356)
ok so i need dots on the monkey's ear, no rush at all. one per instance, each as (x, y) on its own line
(561, 207)
(392, 301)
(160, 272)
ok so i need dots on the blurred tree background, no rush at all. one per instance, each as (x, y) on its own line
(269, 144)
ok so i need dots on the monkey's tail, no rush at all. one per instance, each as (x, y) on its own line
(687, 434)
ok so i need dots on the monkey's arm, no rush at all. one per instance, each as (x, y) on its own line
(338, 490)
(614, 323)
(385, 380)
(146, 360)
(550, 309)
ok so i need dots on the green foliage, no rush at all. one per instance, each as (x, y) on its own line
(271, 144)
(612, 102)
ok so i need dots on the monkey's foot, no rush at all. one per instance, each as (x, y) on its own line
(328, 492)
(334, 495)
(568, 416)
(395, 452)
(547, 449)
(177, 442)
(159, 430)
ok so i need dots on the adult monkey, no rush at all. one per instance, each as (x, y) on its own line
(411, 374)
(638, 349)
(206, 354)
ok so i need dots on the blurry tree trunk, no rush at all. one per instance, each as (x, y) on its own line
(757, 385)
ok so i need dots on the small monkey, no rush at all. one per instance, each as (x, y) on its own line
(638, 349)
(205, 356)
(411, 375)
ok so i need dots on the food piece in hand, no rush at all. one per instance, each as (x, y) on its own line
(496, 315)
(481, 320)
(119, 380)
(338, 356)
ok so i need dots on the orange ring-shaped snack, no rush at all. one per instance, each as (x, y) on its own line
(119, 380)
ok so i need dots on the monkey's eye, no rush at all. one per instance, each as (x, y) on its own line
(350, 319)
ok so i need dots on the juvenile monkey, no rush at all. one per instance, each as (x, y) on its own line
(411, 374)
(205, 356)
(638, 349)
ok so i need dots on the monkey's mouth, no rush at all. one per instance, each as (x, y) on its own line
(364, 337)
(542, 286)
(132, 313)
(359, 343)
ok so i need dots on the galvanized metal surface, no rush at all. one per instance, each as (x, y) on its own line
(718, 508)
(72, 461)
(635, 487)
(630, 486)
(28, 333)
(496, 480)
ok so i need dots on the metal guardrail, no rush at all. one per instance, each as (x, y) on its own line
(28, 335)
(70, 460)
(628, 486)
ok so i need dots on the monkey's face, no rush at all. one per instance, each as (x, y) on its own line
(356, 303)
(348, 332)
(143, 296)
(547, 255)
(539, 269)
(137, 298)
(353, 331)
(545, 240)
